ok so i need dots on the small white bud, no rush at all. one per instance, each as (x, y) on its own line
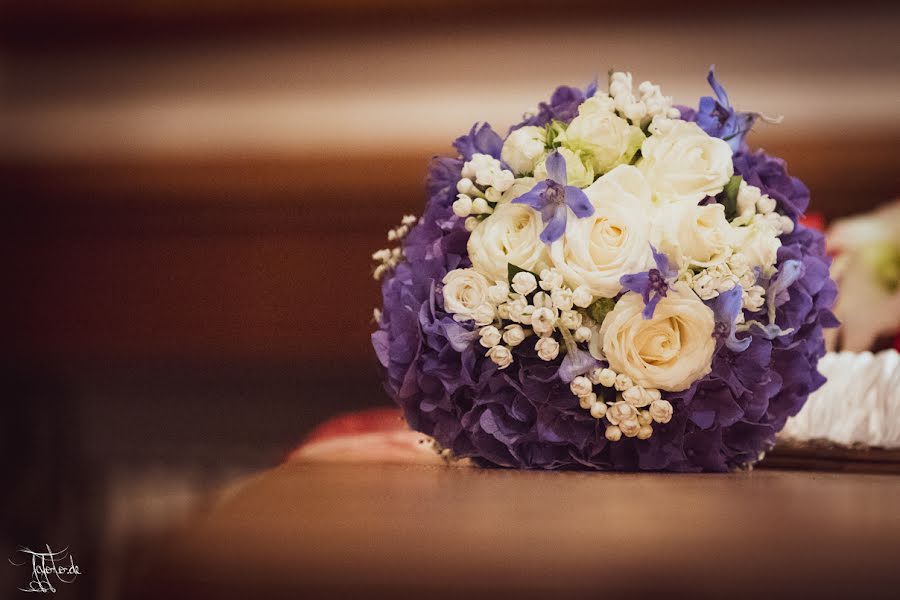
(547, 348)
(465, 186)
(562, 298)
(583, 334)
(581, 297)
(471, 224)
(490, 336)
(623, 382)
(551, 279)
(645, 432)
(501, 356)
(484, 314)
(765, 204)
(661, 411)
(462, 208)
(514, 335)
(542, 300)
(630, 427)
(787, 225)
(637, 396)
(493, 195)
(607, 378)
(570, 319)
(598, 410)
(613, 433)
(499, 292)
(581, 386)
(543, 321)
(480, 206)
(644, 417)
(586, 402)
(524, 283)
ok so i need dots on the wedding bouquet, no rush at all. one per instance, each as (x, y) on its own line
(616, 284)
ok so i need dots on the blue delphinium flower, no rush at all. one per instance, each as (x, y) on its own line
(719, 119)
(553, 197)
(653, 284)
(726, 308)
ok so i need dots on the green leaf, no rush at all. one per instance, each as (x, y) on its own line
(600, 308)
(731, 194)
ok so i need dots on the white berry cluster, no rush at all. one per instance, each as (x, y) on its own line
(484, 180)
(540, 306)
(632, 413)
(388, 258)
(642, 107)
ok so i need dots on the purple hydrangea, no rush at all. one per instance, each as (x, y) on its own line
(525, 416)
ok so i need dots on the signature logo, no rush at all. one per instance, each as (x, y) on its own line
(48, 568)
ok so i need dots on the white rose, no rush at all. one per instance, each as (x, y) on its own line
(523, 148)
(669, 351)
(693, 235)
(547, 348)
(501, 356)
(604, 139)
(758, 242)
(579, 168)
(465, 291)
(596, 251)
(510, 235)
(514, 335)
(524, 283)
(684, 164)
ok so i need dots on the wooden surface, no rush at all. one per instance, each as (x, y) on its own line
(312, 530)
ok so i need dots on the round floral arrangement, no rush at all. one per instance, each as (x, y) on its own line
(618, 284)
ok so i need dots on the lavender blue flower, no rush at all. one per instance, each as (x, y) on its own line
(652, 285)
(718, 118)
(553, 198)
(726, 308)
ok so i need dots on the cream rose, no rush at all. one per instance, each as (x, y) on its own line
(510, 235)
(465, 294)
(596, 251)
(604, 139)
(683, 163)
(523, 148)
(693, 235)
(668, 352)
